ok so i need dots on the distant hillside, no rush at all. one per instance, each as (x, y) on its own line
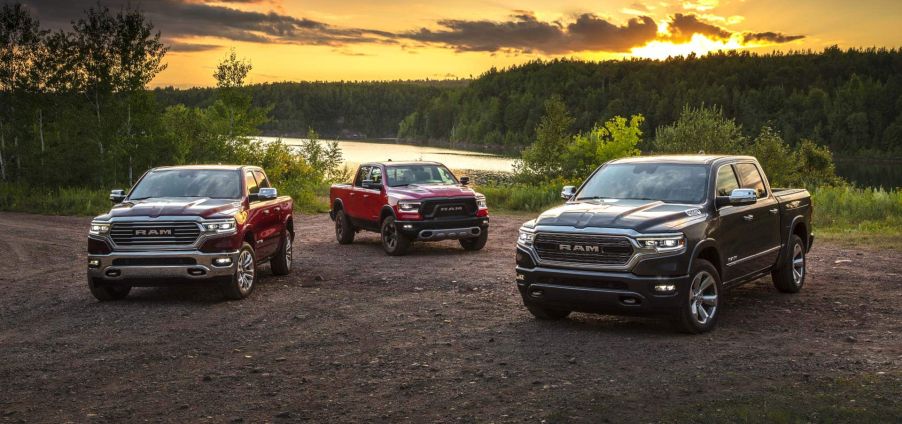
(850, 100)
(334, 109)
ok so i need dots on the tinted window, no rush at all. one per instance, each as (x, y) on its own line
(251, 182)
(376, 175)
(726, 181)
(217, 184)
(673, 183)
(362, 174)
(403, 175)
(261, 179)
(751, 178)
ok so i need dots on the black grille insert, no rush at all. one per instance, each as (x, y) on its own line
(153, 261)
(154, 233)
(449, 208)
(583, 249)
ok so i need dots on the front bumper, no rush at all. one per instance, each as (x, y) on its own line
(158, 267)
(444, 229)
(599, 292)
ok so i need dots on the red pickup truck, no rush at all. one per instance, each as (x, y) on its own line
(191, 223)
(408, 201)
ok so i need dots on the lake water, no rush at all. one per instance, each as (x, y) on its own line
(357, 152)
(861, 172)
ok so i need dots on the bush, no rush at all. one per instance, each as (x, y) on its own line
(848, 208)
(522, 197)
(62, 201)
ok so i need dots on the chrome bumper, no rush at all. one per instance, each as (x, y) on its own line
(105, 267)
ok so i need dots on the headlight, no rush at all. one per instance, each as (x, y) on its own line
(662, 244)
(480, 202)
(408, 206)
(219, 227)
(525, 238)
(99, 228)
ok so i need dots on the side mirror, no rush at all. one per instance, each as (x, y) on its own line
(739, 197)
(267, 193)
(117, 196)
(464, 181)
(568, 192)
(372, 185)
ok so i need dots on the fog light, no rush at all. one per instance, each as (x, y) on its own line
(664, 288)
(408, 227)
(93, 263)
(222, 261)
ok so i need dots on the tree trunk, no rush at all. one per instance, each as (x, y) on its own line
(2, 147)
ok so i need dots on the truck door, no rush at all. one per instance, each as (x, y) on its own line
(372, 198)
(260, 215)
(765, 219)
(272, 213)
(354, 207)
(733, 230)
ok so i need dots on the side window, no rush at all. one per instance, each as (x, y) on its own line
(362, 174)
(251, 183)
(726, 181)
(376, 175)
(261, 179)
(751, 178)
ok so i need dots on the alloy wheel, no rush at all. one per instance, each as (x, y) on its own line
(798, 264)
(703, 298)
(288, 251)
(390, 235)
(246, 271)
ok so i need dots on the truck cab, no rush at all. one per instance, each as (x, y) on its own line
(409, 201)
(201, 224)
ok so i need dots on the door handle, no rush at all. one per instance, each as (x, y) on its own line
(748, 217)
(774, 211)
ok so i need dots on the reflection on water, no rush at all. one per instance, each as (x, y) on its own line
(356, 152)
(869, 173)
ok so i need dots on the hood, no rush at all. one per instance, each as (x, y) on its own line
(422, 191)
(640, 215)
(203, 207)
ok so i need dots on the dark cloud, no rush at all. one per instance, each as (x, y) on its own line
(773, 37)
(183, 18)
(190, 47)
(524, 33)
(682, 27)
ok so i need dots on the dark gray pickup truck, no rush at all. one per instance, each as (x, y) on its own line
(663, 235)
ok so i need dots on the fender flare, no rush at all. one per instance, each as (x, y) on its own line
(708, 242)
(784, 251)
(337, 203)
(383, 214)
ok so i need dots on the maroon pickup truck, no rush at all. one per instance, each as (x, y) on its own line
(407, 201)
(212, 224)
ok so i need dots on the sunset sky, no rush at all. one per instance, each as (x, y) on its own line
(289, 40)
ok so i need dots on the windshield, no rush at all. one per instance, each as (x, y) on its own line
(216, 184)
(402, 175)
(671, 183)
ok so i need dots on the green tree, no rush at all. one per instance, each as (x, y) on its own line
(700, 130)
(617, 138)
(780, 163)
(543, 158)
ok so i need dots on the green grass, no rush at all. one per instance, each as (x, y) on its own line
(520, 197)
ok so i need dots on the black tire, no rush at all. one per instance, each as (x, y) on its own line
(106, 293)
(344, 231)
(281, 263)
(699, 311)
(393, 242)
(242, 282)
(475, 243)
(790, 276)
(547, 314)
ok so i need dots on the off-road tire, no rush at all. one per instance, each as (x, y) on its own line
(106, 293)
(393, 241)
(790, 276)
(281, 262)
(475, 243)
(344, 231)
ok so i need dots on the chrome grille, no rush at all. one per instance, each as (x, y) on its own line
(583, 249)
(154, 233)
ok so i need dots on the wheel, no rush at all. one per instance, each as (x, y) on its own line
(242, 282)
(394, 243)
(475, 243)
(698, 312)
(344, 232)
(790, 277)
(106, 293)
(281, 263)
(547, 314)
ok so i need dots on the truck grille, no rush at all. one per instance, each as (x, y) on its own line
(448, 208)
(154, 233)
(583, 249)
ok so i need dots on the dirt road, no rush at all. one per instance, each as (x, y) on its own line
(437, 336)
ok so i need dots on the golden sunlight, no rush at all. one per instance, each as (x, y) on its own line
(698, 44)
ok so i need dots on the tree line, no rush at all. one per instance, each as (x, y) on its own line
(849, 100)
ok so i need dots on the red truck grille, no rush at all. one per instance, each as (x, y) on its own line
(154, 233)
(583, 249)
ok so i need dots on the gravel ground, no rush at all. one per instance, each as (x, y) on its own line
(439, 335)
